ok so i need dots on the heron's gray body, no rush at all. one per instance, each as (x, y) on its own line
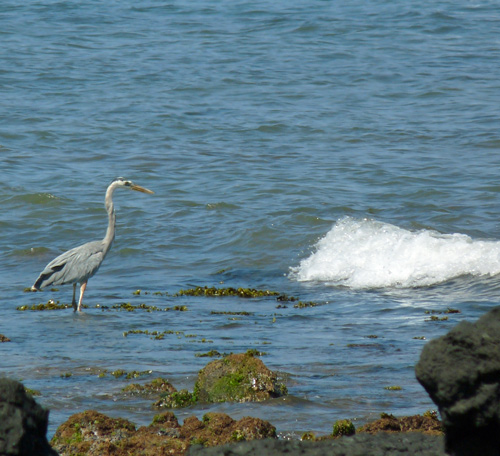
(74, 266)
(78, 265)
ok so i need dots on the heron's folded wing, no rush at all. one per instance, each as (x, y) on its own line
(75, 265)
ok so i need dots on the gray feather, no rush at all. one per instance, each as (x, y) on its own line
(75, 265)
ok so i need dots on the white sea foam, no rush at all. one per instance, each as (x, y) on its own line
(371, 254)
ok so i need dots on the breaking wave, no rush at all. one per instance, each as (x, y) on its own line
(370, 254)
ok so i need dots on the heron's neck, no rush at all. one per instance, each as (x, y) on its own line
(110, 208)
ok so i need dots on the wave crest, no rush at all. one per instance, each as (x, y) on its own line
(370, 254)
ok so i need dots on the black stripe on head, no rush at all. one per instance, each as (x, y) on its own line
(122, 180)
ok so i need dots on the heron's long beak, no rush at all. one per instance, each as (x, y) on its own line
(141, 189)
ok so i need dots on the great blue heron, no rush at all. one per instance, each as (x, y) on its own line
(78, 265)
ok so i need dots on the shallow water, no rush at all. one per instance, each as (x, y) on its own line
(344, 155)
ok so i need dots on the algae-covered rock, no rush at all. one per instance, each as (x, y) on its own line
(427, 423)
(176, 399)
(343, 427)
(90, 433)
(219, 428)
(156, 386)
(230, 291)
(239, 378)
(93, 434)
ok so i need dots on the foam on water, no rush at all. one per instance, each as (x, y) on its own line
(370, 254)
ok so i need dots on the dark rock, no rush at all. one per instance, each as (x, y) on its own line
(240, 378)
(381, 444)
(461, 373)
(23, 423)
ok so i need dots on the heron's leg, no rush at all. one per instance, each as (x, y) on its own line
(73, 303)
(82, 290)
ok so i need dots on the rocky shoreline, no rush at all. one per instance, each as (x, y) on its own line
(409, 444)
(460, 371)
(24, 425)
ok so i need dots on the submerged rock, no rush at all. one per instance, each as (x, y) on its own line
(154, 387)
(95, 434)
(461, 373)
(240, 378)
(23, 423)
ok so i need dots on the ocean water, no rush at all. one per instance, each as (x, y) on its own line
(344, 154)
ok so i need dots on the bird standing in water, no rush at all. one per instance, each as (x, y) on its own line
(78, 265)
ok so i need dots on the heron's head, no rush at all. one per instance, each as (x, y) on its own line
(122, 182)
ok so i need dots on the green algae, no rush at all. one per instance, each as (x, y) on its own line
(364, 345)
(50, 305)
(156, 386)
(237, 378)
(118, 373)
(210, 354)
(128, 307)
(176, 399)
(213, 312)
(303, 305)
(343, 428)
(131, 308)
(434, 314)
(158, 335)
(308, 436)
(238, 436)
(285, 298)
(255, 352)
(393, 388)
(123, 373)
(431, 414)
(435, 318)
(137, 374)
(230, 291)
(32, 392)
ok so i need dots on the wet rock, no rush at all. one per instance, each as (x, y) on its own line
(382, 444)
(4, 338)
(427, 423)
(23, 423)
(156, 386)
(219, 428)
(94, 434)
(240, 378)
(461, 373)
(175, 399)
(91, 433)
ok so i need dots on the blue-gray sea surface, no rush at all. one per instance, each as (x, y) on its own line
(346, 154)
